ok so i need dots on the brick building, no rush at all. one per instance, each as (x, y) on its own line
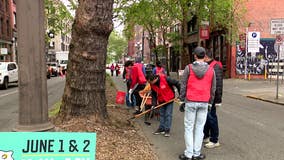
(6, 30)
(258, 17)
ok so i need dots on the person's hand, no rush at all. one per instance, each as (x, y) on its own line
(124, 80)
(218, 105)
(181, 107)
(209, 106)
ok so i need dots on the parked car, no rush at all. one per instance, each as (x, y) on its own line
(8, 73)
(48, 72)
(53, 67)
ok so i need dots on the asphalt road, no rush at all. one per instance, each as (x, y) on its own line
(249, 130)
(9, 104)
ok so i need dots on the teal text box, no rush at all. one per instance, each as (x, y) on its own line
(47, 146)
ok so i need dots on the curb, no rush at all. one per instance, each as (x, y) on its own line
(265, 100)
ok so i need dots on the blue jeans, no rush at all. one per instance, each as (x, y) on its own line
(194, 120)
(211, 128)
(166, 114)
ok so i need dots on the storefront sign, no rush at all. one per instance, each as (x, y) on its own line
(204, 32)
(47, 146)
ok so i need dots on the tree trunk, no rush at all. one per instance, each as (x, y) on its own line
(84, 92)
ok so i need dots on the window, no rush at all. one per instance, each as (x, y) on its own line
(2, 26)
(8, 28)
(11, 66)
(62, 47)
(15, 19)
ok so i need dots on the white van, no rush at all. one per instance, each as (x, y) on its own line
(8, 73)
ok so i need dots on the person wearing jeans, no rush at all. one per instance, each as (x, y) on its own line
(198, 87)
(195, 113)
(162, 92)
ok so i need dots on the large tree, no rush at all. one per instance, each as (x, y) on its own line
(84, 92)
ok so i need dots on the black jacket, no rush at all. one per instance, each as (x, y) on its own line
(219, 82)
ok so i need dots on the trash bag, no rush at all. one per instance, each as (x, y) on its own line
(133, 99)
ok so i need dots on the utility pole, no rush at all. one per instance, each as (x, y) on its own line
(33, 108)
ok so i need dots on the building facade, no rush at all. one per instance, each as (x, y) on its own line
(6, 34)
(258, 19)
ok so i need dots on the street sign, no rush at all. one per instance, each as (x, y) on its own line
(277, 26)
(279, 39)
(253, 41)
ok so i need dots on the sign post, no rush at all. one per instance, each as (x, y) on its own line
(252, 45)
(277, 27)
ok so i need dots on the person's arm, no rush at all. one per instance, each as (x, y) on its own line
(154, 71)
(124, 73)
(213, 89)
(173, 82)
(219, 84)
(183, 83)
(154, 97)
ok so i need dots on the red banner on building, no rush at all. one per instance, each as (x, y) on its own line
(204, 32)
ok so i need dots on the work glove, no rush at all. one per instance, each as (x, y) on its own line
(130, 95)
(181, 107)
(218, 105)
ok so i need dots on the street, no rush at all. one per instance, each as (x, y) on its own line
(249, 129)
(9, 104)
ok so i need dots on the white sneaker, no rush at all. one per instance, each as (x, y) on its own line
(206, 140)
(212, 145)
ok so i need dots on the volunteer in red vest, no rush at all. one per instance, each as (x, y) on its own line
(211, 129)
(126, 75)
(159, 69)
(163, 91)
(198, 86)
(138, 83)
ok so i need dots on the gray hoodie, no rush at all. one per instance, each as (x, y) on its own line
(199, 68)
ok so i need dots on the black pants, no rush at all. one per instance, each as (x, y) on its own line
(211, 128)
(137, 96)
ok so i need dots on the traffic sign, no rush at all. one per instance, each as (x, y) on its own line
(253, 41)
(277, 26)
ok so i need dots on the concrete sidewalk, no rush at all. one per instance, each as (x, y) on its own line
(264, 90)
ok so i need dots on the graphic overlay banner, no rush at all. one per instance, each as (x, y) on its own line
(47, 146)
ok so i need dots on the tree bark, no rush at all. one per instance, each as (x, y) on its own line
(84, 92)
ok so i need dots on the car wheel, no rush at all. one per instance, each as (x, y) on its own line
(5, 83)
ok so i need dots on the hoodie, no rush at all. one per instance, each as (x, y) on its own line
(199, 68)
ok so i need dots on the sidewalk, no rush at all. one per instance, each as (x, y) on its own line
(264, 90)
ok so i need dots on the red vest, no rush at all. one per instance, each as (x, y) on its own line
(141, 76)
(213, 63)
(164, 91)
(199, 90)
(159, 71)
